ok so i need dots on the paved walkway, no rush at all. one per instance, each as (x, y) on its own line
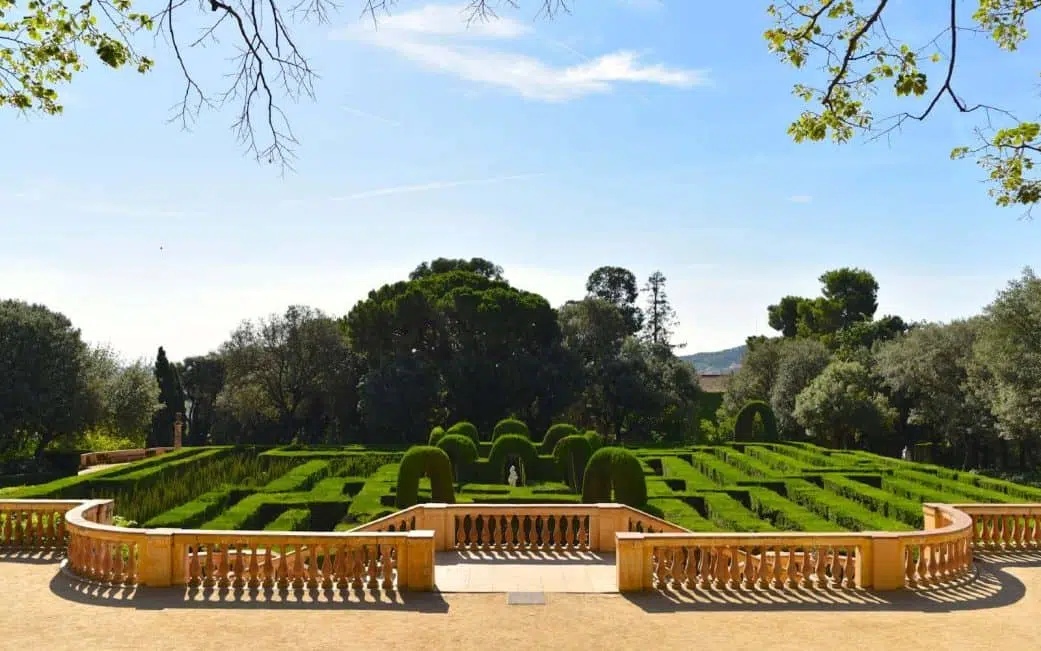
(525, 572)
(100, 466)
(998, 610)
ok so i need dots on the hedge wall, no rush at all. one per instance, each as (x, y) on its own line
(618, 469)
(419, 461)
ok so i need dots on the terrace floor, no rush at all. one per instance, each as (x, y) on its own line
(44, 607)
(525, 572)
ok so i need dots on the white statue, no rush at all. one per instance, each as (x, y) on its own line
(907, 453)
(513, 477)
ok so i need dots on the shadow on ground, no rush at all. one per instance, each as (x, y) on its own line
(263, 597)
(991, 587)
(524, 557)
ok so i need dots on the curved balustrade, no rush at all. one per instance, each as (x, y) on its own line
(397, 552)
(1004, 526)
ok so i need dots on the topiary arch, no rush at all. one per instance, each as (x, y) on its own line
(554, 434)
(513, 447)
(744, 426)
(460, 450)
(424, 461)
(435, 435)
(572, 454)
(616, 468)
(467, 429)
(510, 426)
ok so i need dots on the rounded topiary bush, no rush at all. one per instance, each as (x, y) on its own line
(510, 426)
(744, 426)
(424, 461)
(596, 441)
(460, 450)
(467, 429)
(510, 446)
(554, 434)
(614, 468)
(571, 454)
(436, 434)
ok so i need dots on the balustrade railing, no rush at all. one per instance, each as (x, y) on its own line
(397, 551)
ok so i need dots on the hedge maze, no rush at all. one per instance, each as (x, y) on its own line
(749, 486)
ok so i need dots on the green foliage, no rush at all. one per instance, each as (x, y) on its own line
(840, 510)
(616, 469)
(50, 37)
(300, 478)
(554, 434)
(291, 520)
(743, 426)
(195, 512)
(435, 435)
(786, 515)
(510, 446)
(843, 405)
(464, 428)
(596, 441)
(871, 57)
(461, 450)
(430, 461)
(509, 426)
(728, 514)
(571, 454)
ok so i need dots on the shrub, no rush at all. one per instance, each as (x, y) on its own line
(510, 426)
(744, 425)
(460, 450)
(615, 468)
(291, 520)
(554, 434)
(436, 434)
(571, 454)
(467, 429)
(596, 441)
(513, 445)
(420, 461)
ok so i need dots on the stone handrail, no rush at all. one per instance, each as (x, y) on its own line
(877, 560)
(397, 551)
(1004, 526)
(88, 459)
(522, 527)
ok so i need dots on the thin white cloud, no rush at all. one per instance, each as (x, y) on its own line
(434, 185)
(371, 116)
(800, 198)
(438, 38)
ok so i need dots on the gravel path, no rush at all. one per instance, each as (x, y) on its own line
(999, 609)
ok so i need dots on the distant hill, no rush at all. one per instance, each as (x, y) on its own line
(720, 361)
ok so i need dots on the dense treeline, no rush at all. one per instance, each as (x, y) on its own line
(969, 391)
(455, 341)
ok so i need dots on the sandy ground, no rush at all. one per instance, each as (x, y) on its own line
(45, 609)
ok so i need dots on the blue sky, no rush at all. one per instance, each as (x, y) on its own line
(634, 133)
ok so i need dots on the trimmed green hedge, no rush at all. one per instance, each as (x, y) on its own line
(785, 514)
(513, 445)
(679, 512)
(291, 520)
(744, 425)
(461, 452)
(510, 426)
(614, 468)
(677, 468)
(425, 460)
(840, 510)
(192, 514)
(718, 470)
(884, 502)
(436, 434)
(554, 434)
(596, 440)
(300, 478)
(572, 453)
(729, 514)
(975, 493)
(779, 462)
(745, 463)
(467, 429)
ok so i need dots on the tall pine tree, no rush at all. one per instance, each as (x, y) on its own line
(660, 318)
(171, 397)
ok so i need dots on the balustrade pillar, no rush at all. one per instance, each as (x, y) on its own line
(632, 562)
(156, 562)
(439, 519)
(605, 521)
(416, 564)
(886, 562)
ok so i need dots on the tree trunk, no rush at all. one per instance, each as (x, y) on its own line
(42, 445)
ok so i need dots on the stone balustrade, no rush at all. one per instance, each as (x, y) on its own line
(397, 552)
(88, 459)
